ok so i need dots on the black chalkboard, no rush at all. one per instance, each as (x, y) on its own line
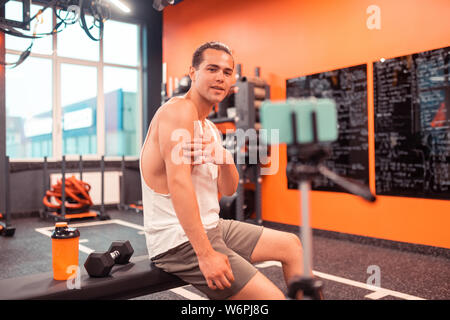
(412, 125)
(348, 88)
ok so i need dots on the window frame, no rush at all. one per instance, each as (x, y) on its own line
(57, 133)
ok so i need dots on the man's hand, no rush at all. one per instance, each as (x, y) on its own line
(216, 269)
(200, 151)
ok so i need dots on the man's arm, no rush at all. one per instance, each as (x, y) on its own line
(228, 176)
(228, 179)
(181, 124)
(178, 120)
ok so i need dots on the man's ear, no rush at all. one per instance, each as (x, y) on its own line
(192, 73)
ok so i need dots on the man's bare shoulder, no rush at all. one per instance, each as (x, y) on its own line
(178, 110)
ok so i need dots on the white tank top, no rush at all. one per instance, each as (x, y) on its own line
(162, 228)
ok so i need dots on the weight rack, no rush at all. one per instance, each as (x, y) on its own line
(62, 215)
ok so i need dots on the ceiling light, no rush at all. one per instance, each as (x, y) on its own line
(120, 5)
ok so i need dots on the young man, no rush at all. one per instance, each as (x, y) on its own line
(183, 231)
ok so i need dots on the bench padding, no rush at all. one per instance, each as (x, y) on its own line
(134, 279)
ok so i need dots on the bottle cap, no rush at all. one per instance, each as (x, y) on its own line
(61, 224)
(62, 231)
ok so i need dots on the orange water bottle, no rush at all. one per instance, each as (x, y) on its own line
(64, 250)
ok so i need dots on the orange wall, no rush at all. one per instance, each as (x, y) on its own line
(289, 38)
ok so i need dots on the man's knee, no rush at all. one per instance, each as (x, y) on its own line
(293, 245)
(296, 241)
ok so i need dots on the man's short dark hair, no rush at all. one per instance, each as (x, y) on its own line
(197, 57)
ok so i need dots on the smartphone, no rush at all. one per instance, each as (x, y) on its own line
(278, 116)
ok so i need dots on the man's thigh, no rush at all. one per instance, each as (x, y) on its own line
(241, 237)
(182, 262)
(259, 288)
(256, 243)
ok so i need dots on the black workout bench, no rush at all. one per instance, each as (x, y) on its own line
(137, 278)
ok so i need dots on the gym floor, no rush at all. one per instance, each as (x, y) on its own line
(344, 266)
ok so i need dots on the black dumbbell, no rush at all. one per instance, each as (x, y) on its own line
(99, 264)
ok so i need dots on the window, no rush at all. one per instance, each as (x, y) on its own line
(73, 42)
(121, 43)
(73, 95)
(29, 119)
(121, 111)
(13, 11)
(121, 89)
(79, 107)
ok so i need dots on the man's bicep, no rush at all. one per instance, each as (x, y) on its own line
(171, 141)
(172, 136)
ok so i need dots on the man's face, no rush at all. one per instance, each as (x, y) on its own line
(214, 76)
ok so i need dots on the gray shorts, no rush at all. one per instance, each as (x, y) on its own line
(235, 239)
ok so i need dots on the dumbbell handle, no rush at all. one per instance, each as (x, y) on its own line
(115, 254)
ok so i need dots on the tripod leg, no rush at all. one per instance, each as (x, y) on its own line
(311, 287)
(305, 235)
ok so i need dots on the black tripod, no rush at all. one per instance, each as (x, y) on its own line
(304, 165)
